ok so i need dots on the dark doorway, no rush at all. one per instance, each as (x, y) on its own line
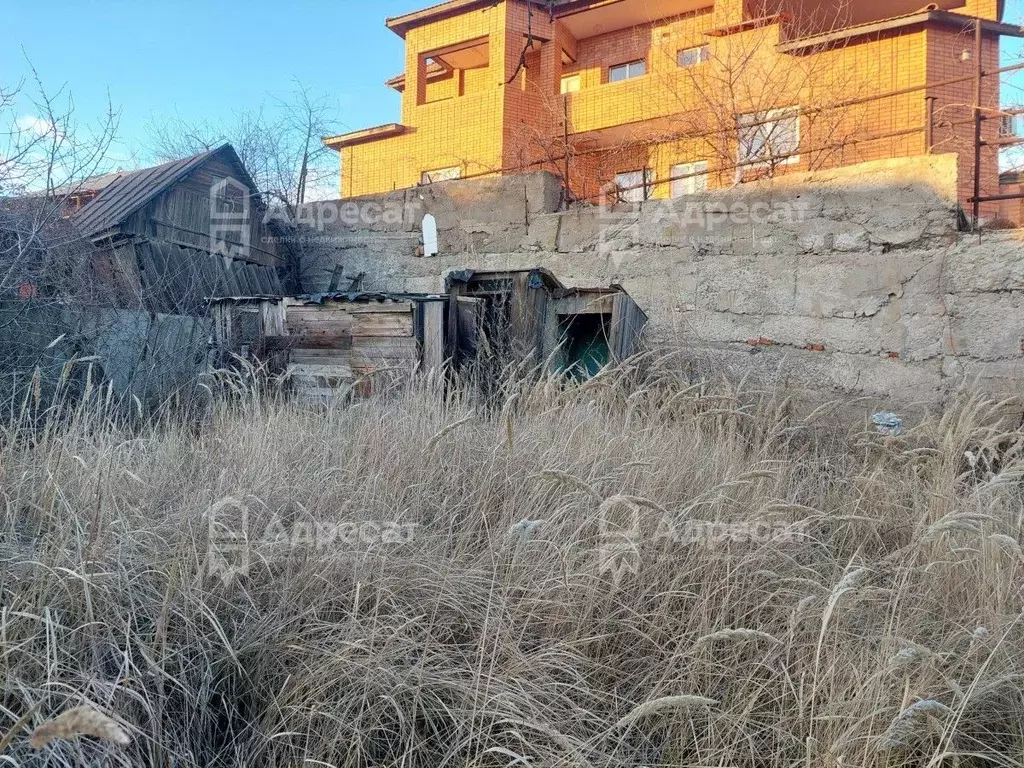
(585, 343)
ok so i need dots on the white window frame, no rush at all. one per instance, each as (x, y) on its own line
(441, 174)
(691, 185)
(627, 67)
(627, 179)
(703, 55)
(571, 83)
(762, 135)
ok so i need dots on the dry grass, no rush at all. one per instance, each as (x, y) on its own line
(883, 630)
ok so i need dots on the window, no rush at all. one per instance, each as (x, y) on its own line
(570, 84)
(691, 57)
(634, 186)
(627, 71)
(441, 174)
(692, 183)
(769, 138)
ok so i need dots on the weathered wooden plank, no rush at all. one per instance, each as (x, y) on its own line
(369, 343)
(151, 273)
(327, 341)
(628, 322)
(584, 305)
(383, 325)
(371, 353)
(322, 318)
(321, 378)
(320, 395)
(339, 368)
(315, 322)
(433, 334)
(272, 315)
(397, 307)
(305, 356)
(126, 273)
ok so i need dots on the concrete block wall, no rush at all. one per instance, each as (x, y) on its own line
(854, 281)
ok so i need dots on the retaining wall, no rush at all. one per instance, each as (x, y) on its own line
(855, 281)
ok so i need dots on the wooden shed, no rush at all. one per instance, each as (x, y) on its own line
(508, 316)
(332, 344)
(170, 236)
(356, 342)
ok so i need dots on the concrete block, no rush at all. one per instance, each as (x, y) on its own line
(1002, 379)
(856, 284)
(542, 234)
(587, 228)
(987, 327)
(992, 262)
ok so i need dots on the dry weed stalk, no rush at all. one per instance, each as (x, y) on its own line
(490, 634)
(80, 721)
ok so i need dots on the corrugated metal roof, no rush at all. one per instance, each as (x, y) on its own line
(130, 191)
(91, 184)
(354, 297)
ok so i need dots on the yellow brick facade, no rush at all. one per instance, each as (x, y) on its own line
(507, 114)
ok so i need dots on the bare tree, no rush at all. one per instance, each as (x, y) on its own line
(45, 159)
(279, 143)
(732, 102)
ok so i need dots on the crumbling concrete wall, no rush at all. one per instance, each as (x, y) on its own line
(46, 348)
(854, 281)
(380, 234)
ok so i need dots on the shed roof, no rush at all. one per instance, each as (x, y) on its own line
(352, 297)
(128, 191)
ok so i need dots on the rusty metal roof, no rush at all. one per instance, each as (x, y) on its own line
(349, 297)
(133, 189)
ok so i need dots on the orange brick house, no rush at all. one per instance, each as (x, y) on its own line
(665, 97)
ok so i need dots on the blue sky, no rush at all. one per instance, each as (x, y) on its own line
(203, 59)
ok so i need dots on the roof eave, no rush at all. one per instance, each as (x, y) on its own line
(365, 136)
(899, 22)
(401, 25)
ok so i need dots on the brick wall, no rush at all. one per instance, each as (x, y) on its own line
(465, 131)
(514, 118)
(954, 129)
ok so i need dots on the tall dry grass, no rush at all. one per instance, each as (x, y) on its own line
(878, 625)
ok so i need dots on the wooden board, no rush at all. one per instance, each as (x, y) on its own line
(368, 352)
(328, 320)
(433, 334)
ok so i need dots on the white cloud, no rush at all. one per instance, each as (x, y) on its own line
(34, 124)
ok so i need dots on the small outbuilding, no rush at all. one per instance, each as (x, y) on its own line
(356, 342)
(168, 237)
(519, 314)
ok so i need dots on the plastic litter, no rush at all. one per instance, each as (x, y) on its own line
(888, 424)
(525, 530)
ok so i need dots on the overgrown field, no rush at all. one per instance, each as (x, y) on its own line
(620, 573)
